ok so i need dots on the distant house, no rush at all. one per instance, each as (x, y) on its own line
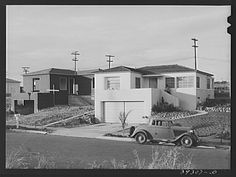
(68, 85)
(222, 89)
(12, 89)
(123, 89)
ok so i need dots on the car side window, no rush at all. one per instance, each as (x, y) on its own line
(165, 124)
(153, 122)
(159, 123)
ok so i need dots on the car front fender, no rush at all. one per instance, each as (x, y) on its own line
(138, 131)
(141, 131)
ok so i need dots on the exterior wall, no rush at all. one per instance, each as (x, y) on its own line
(25, 96)
(13, 88)
(169, 98)
(133, 76)
(44, 81)
(203, 93)
(145, 82)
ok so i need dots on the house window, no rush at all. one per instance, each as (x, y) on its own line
(170, 81)
(112, 83)
(208, 83)
(63, 83)
(185, 82)
(35, 84)
(93, 83)
(198, 82)
(137, 82)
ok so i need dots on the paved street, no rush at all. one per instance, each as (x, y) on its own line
(84, 150)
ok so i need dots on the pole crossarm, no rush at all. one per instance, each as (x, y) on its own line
(75, 59)
(109, 60)
(195, 51)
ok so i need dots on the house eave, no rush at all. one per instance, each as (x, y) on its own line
(153, 75)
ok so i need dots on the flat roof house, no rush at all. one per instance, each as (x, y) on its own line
(69, 87)
(12, 89)
(123, 89)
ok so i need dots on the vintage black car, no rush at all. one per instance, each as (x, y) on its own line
(164, 130)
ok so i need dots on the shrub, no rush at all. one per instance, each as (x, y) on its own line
(22, 159)
(123, 117)
(15, 159)
(164, 107)
(160, 159)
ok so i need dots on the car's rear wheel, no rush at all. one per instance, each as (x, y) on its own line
(141, 138)
(186, 141)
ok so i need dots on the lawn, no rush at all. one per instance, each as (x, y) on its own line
(208, 124)
(49, 115)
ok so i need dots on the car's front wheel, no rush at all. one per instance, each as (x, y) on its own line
(186, 141)
(141, 138)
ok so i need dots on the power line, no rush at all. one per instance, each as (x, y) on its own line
(213, 59)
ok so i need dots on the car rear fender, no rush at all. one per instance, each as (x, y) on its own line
(179, 137)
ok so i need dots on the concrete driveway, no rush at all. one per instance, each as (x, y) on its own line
(90, 131)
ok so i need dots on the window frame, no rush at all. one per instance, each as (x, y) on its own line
(170, 86)
(107, 86)
(186, 83)
(208, 83)
(198, 85)
(137, 84)
(34, 85)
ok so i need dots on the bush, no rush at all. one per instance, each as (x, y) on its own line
(22, 159)
(164, 107)
(160, 159)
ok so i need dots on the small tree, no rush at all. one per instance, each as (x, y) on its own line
(123, 117)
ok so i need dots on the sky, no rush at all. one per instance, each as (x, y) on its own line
(43, 37)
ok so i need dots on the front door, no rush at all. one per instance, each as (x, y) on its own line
(71, 85)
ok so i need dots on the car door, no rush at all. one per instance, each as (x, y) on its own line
(153, 129)
(163, 130)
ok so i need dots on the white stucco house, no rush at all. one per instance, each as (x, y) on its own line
(123, 89)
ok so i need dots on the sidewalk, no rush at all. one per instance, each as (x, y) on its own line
(91, 131)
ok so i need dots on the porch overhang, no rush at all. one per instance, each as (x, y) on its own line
(153, 75)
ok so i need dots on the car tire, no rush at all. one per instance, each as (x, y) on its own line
(141, 138)
(186, 141)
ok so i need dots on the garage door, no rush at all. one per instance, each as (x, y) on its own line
(112, 111)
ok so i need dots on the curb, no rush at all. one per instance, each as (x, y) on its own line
(115, 138)
(29, 131)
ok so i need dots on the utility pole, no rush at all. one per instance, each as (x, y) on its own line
(109, 60)
(25, 69)
(195, 51)
(75, 59)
